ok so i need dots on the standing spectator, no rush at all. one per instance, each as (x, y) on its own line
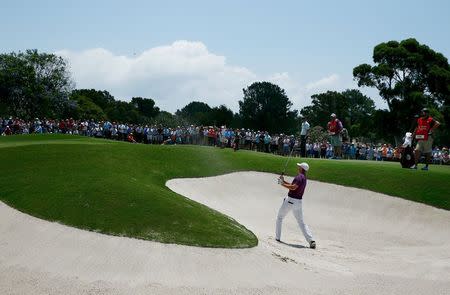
(211, 136)
(286, 145)
(436, 155)
(304, 130)
(223, 140)
(389, 153)
(106, 129)
(323, 150)
(329, 151)
(62, 127)
(334, 128)
(423, 134)
(274, 144)
(363, 152)
(237, 140)
(267, 140)
(160, 132)
(445, 158)
(242, 136)
(248, 139)
(384, 151)
(316, 150)
(370, 152)
(280, 144)
(261, 141)
(205, 135)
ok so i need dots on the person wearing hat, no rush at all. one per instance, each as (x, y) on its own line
(423, 135)
(293, 202)
(334, 131)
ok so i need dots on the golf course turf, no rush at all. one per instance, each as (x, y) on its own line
(119, 188)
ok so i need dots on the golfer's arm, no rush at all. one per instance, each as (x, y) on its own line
(291, 187)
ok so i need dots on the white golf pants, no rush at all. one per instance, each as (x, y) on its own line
(296, 206)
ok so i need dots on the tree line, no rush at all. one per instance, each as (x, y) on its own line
(407, 74)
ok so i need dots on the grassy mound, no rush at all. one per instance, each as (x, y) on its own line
(119, 188)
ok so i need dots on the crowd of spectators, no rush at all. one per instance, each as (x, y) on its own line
(222, 136)
(367, 151)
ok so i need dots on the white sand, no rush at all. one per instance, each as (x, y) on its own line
(368, 243)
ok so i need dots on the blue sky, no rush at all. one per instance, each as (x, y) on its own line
(179, 51)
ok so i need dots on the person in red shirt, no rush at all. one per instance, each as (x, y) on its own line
(7, 131)
(423, 135)
(334, 128)
(130, 138)
(62, 126)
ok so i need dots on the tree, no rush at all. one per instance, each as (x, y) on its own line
(317, 134)
(103, 99)
(34, 84)
(195, 112)
(145, 106)
(353, 108)
(322, 105)
(167, 119)
(122, 111)
(82, 107)
(408, 76)
(220, 115)
(265, 106)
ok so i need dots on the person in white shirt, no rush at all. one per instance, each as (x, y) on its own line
(303, 135)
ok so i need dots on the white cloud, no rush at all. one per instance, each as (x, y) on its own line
(324, 83)
(172, 75)
(300, 94)
(176, 74)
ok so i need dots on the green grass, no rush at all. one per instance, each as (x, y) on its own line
(119, 188)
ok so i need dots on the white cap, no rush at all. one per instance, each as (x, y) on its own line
(304, 165)
(333, 115)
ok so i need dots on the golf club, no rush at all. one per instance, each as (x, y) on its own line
(287, 160)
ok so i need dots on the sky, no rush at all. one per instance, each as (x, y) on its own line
(176, 52)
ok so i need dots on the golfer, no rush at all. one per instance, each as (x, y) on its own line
(294, 202)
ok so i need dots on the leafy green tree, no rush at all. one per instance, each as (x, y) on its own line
(122, 111)
(145, 106)
(167, 119)
(195, 112)
(220, 115)
(408, 76)
(34, 84)
(322, 105)
(237, 121)
(353, 108)
(318, 134)
(103, 99)
(84, 108)
(265, 106)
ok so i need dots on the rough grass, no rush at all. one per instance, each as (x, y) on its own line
(119, 188)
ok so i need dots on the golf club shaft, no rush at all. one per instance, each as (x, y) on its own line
(287, 161)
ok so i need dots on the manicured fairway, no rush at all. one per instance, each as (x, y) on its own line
(119, 188)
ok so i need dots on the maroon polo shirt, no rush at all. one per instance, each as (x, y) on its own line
(300, 181)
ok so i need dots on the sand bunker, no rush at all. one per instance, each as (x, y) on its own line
(368, 243)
